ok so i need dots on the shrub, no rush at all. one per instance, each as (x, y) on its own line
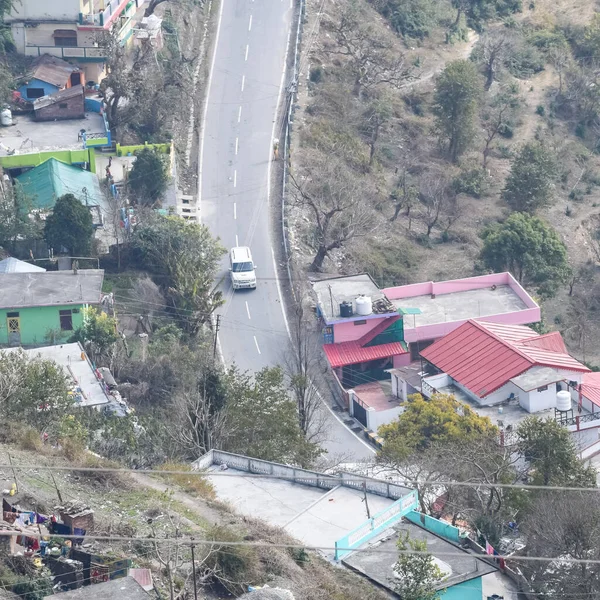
(471, 182)
(316, 74)
(540, 110)
(525, 62)
(194, 483)
(409, 18)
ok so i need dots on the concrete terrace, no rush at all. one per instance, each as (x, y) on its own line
(316, 514)
(28, 135)
(333, 291)
(460, 305)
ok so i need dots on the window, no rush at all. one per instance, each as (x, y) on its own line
(66, 320)
(63, 105)
(65, 37)
(361, 322)
(12, 315)
(543, 388)
(243, 267)
(35, 92)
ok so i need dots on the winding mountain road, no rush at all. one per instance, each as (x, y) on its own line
(245, 89)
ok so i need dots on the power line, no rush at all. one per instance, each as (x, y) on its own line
(318, 477)
(253, 544)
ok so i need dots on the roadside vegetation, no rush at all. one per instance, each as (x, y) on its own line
(435, 140)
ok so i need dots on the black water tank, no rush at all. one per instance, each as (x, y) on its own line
(346, 309)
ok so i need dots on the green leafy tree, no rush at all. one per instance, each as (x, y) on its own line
(457, 96)
(410, 18)
(185, 258)
(262, 421)
(529, 248)
(417, 575)
(15, 222)
(552, 455)
(149, 177)
(32, 390)
(442, 419)
(70, 225)
(98, 335)
(529, 184)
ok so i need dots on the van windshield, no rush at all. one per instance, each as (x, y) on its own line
(242, 267)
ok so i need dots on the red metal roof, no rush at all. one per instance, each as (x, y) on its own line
(550, 341)
(484, 356)
(351, 353)
(590, 387)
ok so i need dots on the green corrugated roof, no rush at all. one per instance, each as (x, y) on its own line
(52, 179)
(409, 311)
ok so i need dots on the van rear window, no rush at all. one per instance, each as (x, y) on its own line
(242, 267)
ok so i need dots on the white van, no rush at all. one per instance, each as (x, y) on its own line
(241, 268)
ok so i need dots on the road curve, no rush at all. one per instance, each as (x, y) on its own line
(247, 78)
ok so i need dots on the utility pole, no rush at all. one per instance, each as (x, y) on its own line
(217, 325)
(14, 473)
(366, 500)
(194, 573)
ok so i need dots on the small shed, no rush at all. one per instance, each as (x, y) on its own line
(49, 74)
(77, 516)
(64, 104)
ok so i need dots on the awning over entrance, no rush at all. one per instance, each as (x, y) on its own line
(351, 353)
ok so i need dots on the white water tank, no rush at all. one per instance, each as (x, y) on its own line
(6, 119)
(364, 306)
(563, 401)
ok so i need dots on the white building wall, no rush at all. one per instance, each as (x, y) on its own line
(377, 418)
(539, 401)
(45, 10)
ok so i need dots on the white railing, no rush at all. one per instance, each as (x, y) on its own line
(302, 476)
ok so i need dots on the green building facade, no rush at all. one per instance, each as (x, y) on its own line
(39, 325)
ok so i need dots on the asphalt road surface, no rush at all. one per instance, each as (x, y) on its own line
(247, 79)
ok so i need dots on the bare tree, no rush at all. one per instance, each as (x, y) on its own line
(372, 59)
(378, 113)
(404, 196)
(338, 204)
(496, 117)
(561, 60)
(301, 366)
(495, 47)
(435, 197)
(198, 423)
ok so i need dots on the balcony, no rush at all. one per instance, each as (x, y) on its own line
(89, 54)
(102, 13)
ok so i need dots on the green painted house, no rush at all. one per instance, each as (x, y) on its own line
(37, 308)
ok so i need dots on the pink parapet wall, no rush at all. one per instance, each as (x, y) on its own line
(530, 314)
(347, 331)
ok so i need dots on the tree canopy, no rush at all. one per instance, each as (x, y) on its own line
(551, 454)
(417, 574)
(185, 259)
(457, 96)
(34, 391)
(529, 248)
(148, 177)
(529, 183)
(442, 419)
(98, 335)
(70, 226)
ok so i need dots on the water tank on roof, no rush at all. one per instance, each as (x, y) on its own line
(563, 401)
(6, 117)
(364, 306)
(345, 309)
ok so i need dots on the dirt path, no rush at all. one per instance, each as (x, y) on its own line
(197, 505)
